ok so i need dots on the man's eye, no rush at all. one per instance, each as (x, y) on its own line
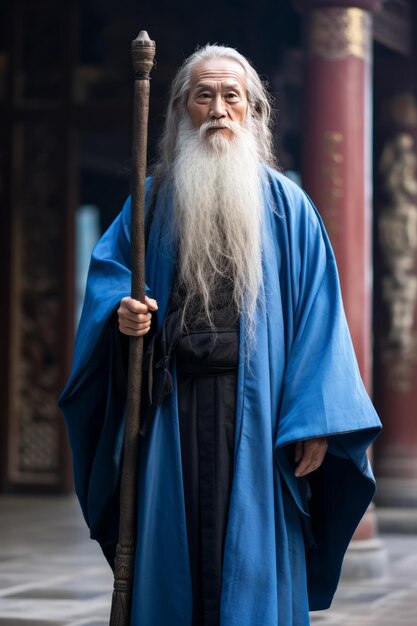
(205, 95)
(231, 95)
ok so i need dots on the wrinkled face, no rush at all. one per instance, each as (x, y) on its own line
(217, 94)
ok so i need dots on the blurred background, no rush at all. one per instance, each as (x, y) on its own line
(343, 75)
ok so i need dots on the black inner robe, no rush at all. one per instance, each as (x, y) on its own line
(207, 363)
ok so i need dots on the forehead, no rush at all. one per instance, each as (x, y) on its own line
(217, 70)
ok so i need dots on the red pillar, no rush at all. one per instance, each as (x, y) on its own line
(336, 172)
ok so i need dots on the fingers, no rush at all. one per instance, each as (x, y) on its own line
(134, 316)
(135, 328)
(133, 306)
(151, 303)
(314, 451)
(133, 333)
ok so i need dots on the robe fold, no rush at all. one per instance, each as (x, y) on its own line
(285, 537)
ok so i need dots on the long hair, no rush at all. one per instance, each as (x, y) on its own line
(259, 107)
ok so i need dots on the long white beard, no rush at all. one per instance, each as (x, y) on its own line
(218, 210)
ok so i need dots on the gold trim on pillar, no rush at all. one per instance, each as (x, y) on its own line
(337, 33)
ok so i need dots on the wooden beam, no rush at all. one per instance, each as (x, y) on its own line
(394, 26)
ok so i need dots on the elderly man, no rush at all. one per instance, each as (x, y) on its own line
(253, 471)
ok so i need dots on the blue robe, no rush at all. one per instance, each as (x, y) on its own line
(283, 552)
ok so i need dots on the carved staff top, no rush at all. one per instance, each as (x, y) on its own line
(143, 54)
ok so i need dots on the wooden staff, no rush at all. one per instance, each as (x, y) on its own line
(143, 53)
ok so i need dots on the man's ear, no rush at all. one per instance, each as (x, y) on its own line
(256, 109)
(252, 111)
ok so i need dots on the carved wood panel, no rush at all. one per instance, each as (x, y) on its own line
(37, 270)
(35, 263)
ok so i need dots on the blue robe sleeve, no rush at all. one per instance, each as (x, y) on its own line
(93, 402)
(323, 395)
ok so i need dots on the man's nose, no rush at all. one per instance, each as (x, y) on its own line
(218, 110)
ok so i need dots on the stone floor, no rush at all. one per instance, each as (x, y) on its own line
(51, 574)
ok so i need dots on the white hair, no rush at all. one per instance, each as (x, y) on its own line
(218, 213)
(259, 107)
